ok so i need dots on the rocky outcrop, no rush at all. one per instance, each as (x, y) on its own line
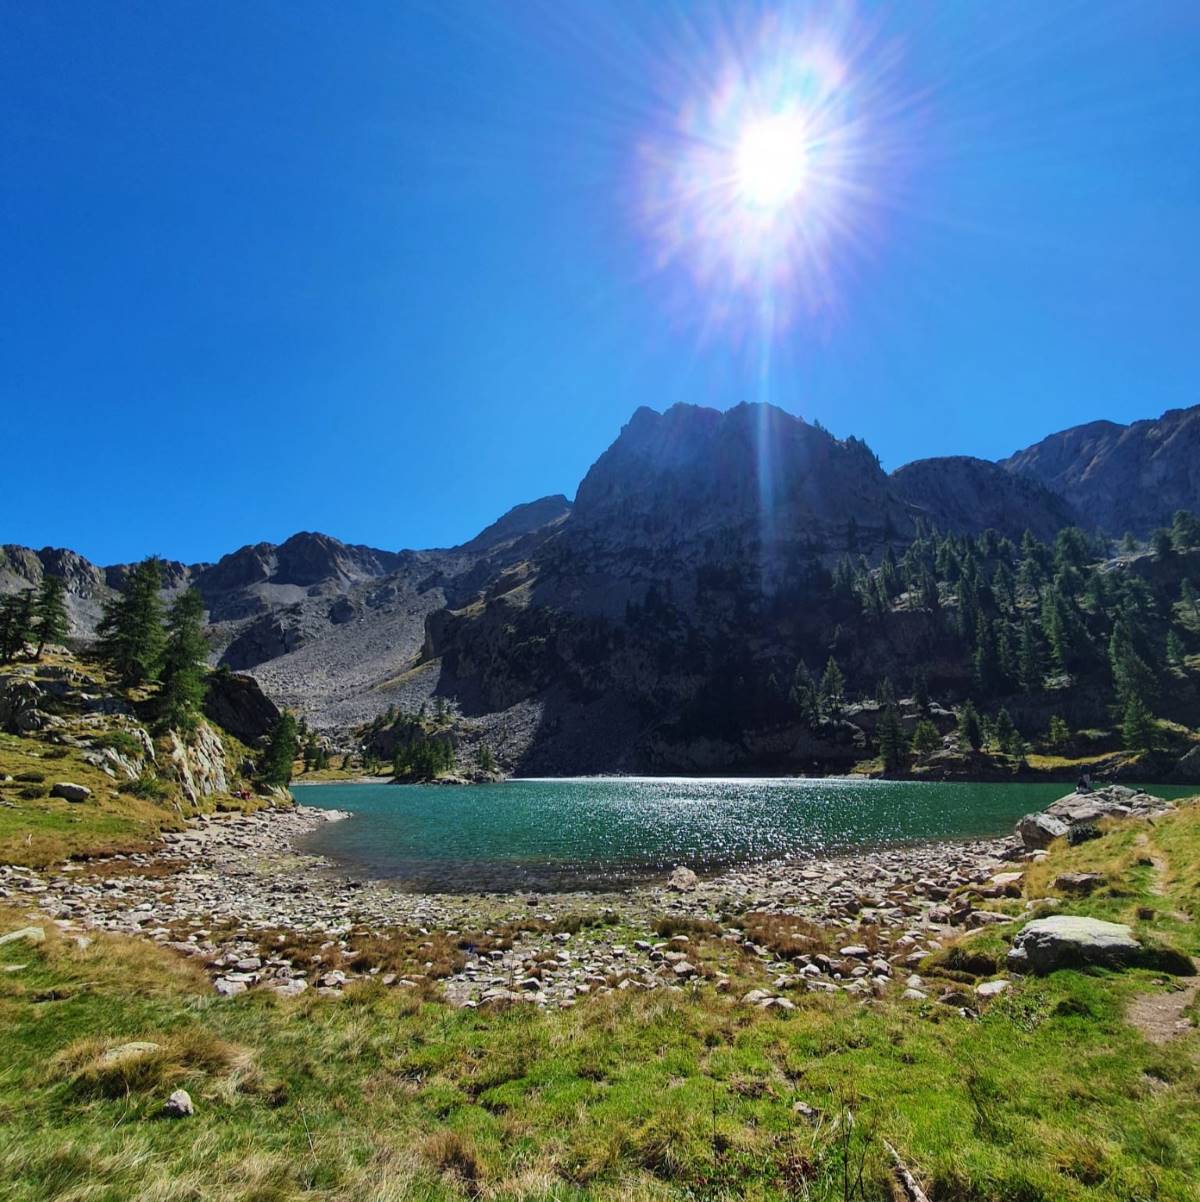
(197, 763)
(1067, 941)
(1121, 477)
(236, 703)
(1039, 830)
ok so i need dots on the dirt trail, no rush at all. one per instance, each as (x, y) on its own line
(1159, 1016)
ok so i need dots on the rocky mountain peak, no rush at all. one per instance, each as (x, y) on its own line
(691, 469)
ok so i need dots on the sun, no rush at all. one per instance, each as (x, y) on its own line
(772, 161)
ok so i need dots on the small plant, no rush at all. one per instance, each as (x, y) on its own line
(148, 786)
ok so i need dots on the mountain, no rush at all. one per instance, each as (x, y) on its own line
(1122, 477)
(638, 626)
(965, 495)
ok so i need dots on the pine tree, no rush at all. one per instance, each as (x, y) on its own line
(1185, 530)
(1138, 728)
(184, 680)
(1161, 543)
(281, 751)
(485, 759)
(131, 632)
(1187, 597)
(920, 691)
(833, 685)
(1059, 734)
(1008, 738)
(1029, 659)
(1128, 543)
(925, 739)
(969, 728)
(16, 623)
(50, 613)
(803, 695)
(893, 746)
(1175, 652)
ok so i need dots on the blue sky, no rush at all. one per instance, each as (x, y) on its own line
(384, 270)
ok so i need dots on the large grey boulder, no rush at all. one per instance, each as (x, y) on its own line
(1040, 830)
(1069, 941)
(1113, 801)
(70, 792)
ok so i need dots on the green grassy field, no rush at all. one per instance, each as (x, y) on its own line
(1049, 1094)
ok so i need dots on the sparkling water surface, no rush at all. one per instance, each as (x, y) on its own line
(613, 831)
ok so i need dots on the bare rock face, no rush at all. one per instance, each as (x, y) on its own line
(237, 704)
(963, 495)
(1121, 477)
(199, 765)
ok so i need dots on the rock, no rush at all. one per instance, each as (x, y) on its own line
(289, 988)
(1078, 883)
(914, 995)
(128, 1051)
(29, 934)
(179, 1105)
(682, 879)
(684, 969)
(1040, 830)
(755, 997)
(1069, 941)
(1113, 801)
(985, 918)
(227, 988)
(992, 988)
(856, 950)
(70, 792)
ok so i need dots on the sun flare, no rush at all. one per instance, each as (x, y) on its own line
(784, 155)
(772, 161)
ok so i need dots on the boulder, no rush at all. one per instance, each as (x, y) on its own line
(1040, 830)
(1113, 801)
(28, 934)
(237, 704)
(1069, 941)
(128, 1051)
(179, 1105)
(682, 879)
(70, 792)
(1078, 883)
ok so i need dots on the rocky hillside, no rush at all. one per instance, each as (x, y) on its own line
(1122, 477)
(698, 541)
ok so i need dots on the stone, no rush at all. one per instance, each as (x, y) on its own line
(28, 934)
(856, 950)
(1040, 830)
(70, 792)
(682, 879)
(992, 988)
(1079, 884)
(985, 918)
(179, 1105)
(684, 969)
(227, 988)
(914, 995)
(755, 997)
(1069, 941)
(128, 1051)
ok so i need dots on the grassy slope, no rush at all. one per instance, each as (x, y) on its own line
(40, 831)
(1050, 1095)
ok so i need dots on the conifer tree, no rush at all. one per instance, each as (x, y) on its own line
(50, 613)
(16, 623)
(281, 751)
(893, 746)
(1008, 738)
(1059, 734)
(184, 679)
(1137, 727)
(1175, 652)
(1029, 659)
(833, 686)
(131, 631)
(970, 729)
(925, 739)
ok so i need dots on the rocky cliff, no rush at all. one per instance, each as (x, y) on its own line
(1121, 477)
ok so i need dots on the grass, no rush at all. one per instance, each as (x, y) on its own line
(388, 1094)
(121, 816)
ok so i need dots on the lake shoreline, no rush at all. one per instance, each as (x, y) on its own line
(217, 890)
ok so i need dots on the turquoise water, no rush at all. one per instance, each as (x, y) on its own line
(597, 832)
